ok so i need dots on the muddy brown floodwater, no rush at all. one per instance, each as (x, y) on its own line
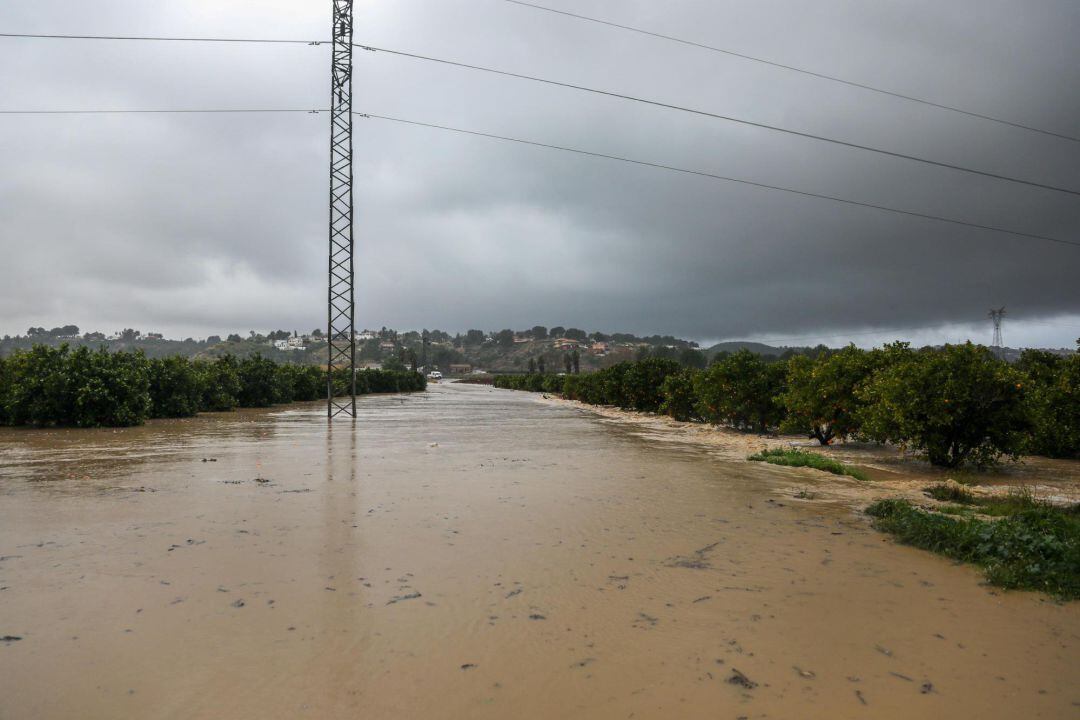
(474, 553)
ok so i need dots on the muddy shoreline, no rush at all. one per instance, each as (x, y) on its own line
(891, 471)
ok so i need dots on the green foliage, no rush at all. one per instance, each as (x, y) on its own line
(680, 400)
(258, 382)
(1054, 402)
(7, 370)
(504, 338)
(394, 364)
(604, 387)
(36, 389)
(642, 384)
(308, 382)
(821, 399)
(176, 387)
(107, 389)
(956, 405)
(693, 358)
(85, 388)
(554, 384)
(220, 383)
(53, 386)
(798, 458)
(532, 382)
(1034, 548)
(743, 391)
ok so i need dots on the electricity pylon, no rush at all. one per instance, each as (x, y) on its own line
(996, 316)
(340, 316)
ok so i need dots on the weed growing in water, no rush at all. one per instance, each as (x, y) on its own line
(798, 458)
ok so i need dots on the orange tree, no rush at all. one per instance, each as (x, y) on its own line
(1054, 399)
(820, 399)
(642, 383)
(743, 391)
(956, 405)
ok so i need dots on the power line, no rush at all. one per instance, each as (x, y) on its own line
(578, 151)
(162, 38)
(714, 176)
(597, 91)
(728, 118)
(164, 111)
(803, 71)
(701, 173)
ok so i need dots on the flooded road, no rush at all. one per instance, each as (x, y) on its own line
(473, 553)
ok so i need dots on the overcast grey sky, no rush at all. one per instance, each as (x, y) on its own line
(196, 225)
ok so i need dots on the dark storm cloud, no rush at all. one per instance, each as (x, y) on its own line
(207, 224)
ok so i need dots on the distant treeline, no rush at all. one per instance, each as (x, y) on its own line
(91, 388)
(956, 405)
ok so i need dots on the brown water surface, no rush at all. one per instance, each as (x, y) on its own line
(472, 553)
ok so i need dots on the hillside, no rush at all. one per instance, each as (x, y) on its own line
(736, 345)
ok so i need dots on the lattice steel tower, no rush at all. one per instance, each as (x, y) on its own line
(996, 316)
(341, 336)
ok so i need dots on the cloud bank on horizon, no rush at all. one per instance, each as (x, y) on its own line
(200, 224)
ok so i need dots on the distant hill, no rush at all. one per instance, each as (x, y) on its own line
(736, 345)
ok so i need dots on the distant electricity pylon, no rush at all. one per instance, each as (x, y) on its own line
(341, 335)
(996, 316)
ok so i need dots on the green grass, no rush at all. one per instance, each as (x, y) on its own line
(798, 458)
(1033, 546)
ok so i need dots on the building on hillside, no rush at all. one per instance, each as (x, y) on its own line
(518, 339)
(460, 368)
(296, 343)
(281, 344)
(387, 345)
(566, 344)
(599, 348)
(154, 336)
(366, 335)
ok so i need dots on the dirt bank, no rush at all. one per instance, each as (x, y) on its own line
(891, 471)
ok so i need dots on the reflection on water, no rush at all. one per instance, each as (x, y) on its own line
(469, 552)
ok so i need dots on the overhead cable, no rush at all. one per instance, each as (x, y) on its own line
(563, 148)
(802, 71)
(714, 176)
(582, 88)
(728, 118)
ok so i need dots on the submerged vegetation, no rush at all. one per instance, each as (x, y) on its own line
(965, 502)
(956, 405)
(799, 458)
(93, 388)
(1033, 545)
